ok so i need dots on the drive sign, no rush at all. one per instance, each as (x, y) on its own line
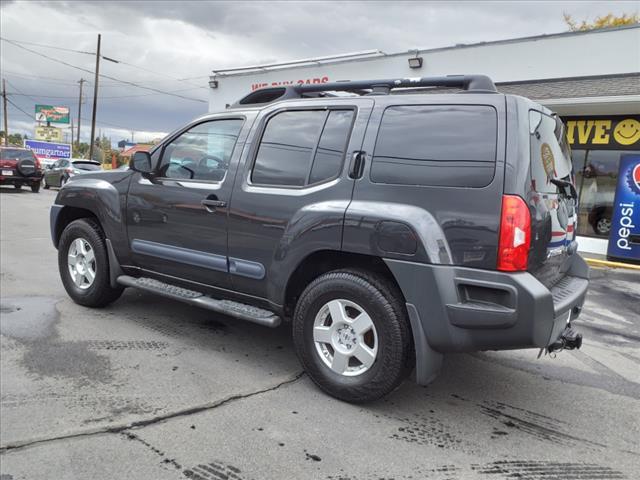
(624, 240)
(48, 150)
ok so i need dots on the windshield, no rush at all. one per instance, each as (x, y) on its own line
(86, 166)
(550, 152)
(15, 154)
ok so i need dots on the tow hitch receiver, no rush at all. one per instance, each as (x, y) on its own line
(569, 339)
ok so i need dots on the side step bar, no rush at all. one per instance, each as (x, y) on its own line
(226, 307)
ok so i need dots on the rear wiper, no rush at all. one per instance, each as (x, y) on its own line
(563, 184)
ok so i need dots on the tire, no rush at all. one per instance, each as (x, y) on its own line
(45, 185)
(17, 186)
(602, 226)
(97, 292)
(35, 187)
(391, 333)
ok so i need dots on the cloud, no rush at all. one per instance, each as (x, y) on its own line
(178, 40)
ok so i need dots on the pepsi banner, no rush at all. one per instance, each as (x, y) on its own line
(624, 240)
(48, 150)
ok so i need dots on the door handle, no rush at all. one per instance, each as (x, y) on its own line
(212, 202)
(357, 164)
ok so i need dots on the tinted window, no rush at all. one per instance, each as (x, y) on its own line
(287, 146)
(201, 153)
(15, 154)
(550, 153)
(438, 145)
(333, 142)
(87, 166)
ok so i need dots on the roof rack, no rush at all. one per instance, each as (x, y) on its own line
(263, 96)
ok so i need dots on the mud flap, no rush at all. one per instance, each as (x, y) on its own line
(428, 361)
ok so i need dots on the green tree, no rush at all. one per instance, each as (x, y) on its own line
(603, 21)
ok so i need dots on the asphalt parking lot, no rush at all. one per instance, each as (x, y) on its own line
(149, 388)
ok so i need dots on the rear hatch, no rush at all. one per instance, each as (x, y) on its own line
(552, 199)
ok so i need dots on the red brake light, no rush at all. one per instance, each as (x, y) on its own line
(37, 162)
(515, 234)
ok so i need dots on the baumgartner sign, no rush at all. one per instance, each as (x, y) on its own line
(48, 150)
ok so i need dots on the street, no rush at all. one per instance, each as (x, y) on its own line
(150, 388)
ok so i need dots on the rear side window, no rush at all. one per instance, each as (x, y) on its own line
(299, 147)
(87, 166)
(550, 152)
(436, 145)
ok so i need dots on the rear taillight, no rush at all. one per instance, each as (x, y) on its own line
(515, 234)
(38, 166)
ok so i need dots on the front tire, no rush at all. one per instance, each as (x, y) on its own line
(45, 185)
(84, 264)
(352, 335)
(17, 186)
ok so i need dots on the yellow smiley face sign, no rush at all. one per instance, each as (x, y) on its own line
(627, 131)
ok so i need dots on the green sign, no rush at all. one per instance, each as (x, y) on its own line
(49, 113)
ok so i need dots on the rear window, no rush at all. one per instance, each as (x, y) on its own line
(550, 152)
(436, 145)
(87, 166)
(15, 154)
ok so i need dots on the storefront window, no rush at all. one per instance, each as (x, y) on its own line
(596, 174)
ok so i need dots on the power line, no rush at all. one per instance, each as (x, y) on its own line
(27, 114)
(186, 80)
(101, 98)
(51, 46)
(126, 82)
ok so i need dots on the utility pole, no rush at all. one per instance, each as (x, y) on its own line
(95, 102)
(4, 106)
(81, 81)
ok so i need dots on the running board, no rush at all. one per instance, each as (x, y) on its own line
(227, 307)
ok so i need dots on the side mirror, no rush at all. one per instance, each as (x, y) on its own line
(141, 162)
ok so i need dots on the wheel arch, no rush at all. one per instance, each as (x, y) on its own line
(64, 216)
(323, 261)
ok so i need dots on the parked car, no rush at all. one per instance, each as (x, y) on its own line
(18, 167)
(63, 170)
(389, 229)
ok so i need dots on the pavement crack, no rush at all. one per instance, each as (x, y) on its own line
(118, 429)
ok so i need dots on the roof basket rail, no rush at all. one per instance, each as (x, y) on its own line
(468, 83)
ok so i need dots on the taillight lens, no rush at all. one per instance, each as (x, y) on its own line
(37, 162)
(515, 234)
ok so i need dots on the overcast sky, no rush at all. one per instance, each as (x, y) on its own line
(163, 43)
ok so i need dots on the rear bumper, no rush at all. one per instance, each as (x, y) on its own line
(17, 179)
(464, 309)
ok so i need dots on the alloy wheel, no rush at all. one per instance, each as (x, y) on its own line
(345, 337)
(82, 263)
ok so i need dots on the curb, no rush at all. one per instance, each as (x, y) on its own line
(595, 262)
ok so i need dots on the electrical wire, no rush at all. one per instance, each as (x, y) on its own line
(27, 114)
(126, 82)
(186, 80)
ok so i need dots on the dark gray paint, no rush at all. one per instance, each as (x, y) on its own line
(433, 239)
(180, 255)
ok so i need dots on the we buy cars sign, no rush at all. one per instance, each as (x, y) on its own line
(48, 150)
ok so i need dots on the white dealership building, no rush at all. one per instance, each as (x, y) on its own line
(592, 79)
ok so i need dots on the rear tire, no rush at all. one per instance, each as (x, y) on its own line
(327, 326)
(84, 264)
(17, 186)
(35, 187)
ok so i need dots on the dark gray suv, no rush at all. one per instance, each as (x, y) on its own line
(390, 226)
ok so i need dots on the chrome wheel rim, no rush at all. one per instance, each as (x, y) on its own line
(81, 262)
(345, 337)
